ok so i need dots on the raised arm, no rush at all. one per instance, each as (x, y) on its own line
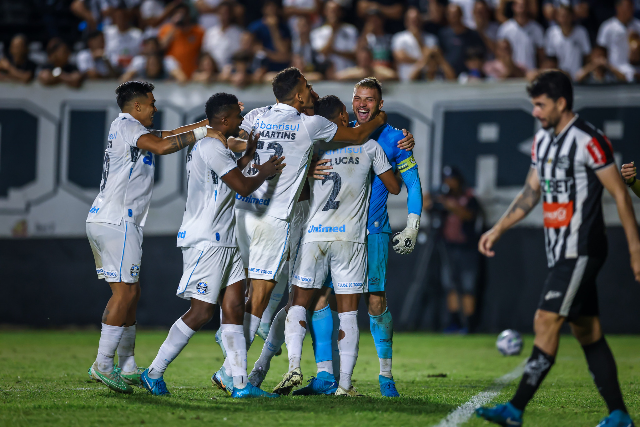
(610, 179)
(524, 203)
(163, 142)
(359, 135)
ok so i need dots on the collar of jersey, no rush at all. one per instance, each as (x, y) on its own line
(555, 139)
(284, 107)
(127, 115)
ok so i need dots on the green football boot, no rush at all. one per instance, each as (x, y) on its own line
(131, 378)
(113, 380)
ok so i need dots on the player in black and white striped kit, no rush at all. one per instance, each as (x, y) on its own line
(571, 163)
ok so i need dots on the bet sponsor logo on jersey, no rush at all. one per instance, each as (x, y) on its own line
(327, 229)
(558, 186)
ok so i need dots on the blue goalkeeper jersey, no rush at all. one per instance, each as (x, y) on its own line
(388, 137)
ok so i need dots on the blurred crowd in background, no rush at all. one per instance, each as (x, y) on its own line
(245, 42)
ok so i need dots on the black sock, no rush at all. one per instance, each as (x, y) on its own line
(537, 367)
(603, 369)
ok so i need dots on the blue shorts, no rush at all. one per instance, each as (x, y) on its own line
(378, 256)
(378, 253)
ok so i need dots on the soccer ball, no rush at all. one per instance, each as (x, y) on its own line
(509, 343)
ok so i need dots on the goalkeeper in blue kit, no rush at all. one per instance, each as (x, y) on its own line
(367, 101)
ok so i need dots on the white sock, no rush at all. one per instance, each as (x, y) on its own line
(385, 368)
(294, 334)
(348, 346)
(126, 347)
(326, 366)
(236, 345)
(276, 294)
(273, 342)
(178, 338)
(109, 339)
(251, 324)
(334, 341)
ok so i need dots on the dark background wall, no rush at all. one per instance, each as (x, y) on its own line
(52, 283)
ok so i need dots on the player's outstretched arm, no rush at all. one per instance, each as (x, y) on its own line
(628, 172)
(181, 129)
(245, 185)
(524, 203)
(610, 178)
(389, 180)
(172, 143)
(359, 135)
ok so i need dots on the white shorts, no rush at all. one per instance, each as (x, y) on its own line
(206, 272)
(298, 221)
(347, 262)
(117, 250)
(263, 242)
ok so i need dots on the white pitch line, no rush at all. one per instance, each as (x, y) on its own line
(462, 414)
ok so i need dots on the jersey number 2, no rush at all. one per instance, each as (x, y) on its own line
(332, 203)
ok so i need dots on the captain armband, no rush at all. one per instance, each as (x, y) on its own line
(406, 164)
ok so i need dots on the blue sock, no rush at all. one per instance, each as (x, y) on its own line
(382, 330)
(321, 330)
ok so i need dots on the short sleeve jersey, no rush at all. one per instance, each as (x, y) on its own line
(340, 201)
(571, 191)
(570, 50)
(250, 117)
(209, 218)
(127, 176)
(284, 132)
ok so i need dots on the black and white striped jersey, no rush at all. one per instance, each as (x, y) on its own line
(571, 191)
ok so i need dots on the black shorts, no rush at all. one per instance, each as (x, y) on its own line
(570, 289)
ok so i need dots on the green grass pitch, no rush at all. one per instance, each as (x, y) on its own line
(43, 381)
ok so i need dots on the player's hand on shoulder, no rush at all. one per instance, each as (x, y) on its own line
(271, 167)
(212, 133)
(407, 143)
(487, 240)
(252, 141)
(317, 168)
(628, 171)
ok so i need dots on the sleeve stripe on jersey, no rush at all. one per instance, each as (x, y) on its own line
(596, 152)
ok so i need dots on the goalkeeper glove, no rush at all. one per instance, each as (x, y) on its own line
(405, 241)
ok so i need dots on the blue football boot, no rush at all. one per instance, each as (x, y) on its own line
(251, 391)
(223, 381)
(617, 419)
(324, 383)
(156, 387)
(388, 387)
(505, 415)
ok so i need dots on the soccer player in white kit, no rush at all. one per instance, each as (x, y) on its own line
(213, 269)
(116, 218)
(335, 241)
(263, 218)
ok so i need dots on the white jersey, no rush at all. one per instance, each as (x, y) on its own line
(209, 217)
(250, 117)
(127, 176)
(340, 202)
(284, 132)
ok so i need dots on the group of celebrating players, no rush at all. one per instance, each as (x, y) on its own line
(293, 195)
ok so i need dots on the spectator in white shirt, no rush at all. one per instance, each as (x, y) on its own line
(294, 9)
(407, 46)
(614, 32)
(208, 10)
(467, 12)
(525, 36)
(93, 62)
(154, 13)
(336, 40)
(152, 65)
(567, 42)
(580, 8)
(122, 41)
(223, 40)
